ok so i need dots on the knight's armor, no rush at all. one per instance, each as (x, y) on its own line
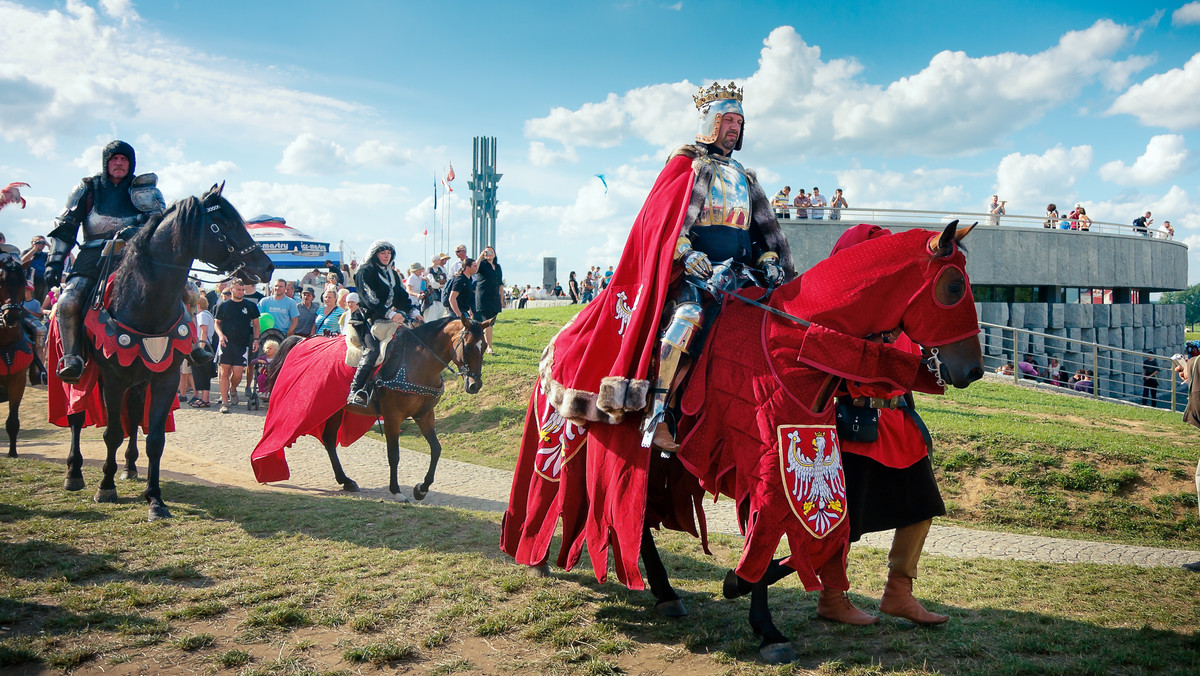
(719, 240)
(105, 211)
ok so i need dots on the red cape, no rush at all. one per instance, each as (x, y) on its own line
(311, 388)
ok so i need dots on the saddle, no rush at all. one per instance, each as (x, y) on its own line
(384, 330)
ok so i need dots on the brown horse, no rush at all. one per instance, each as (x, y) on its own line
(16, 352)
(409, 385)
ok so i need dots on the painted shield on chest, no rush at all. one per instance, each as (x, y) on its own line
(810, 463)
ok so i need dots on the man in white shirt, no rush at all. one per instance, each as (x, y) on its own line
(817, 200)
(461, 252)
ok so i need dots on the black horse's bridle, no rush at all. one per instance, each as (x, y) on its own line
(235, 259)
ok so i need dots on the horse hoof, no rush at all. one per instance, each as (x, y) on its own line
(672, 608)
(105, 495)
(74, 483)
(538, 571)
(399, 496)
(777, 653)
(731, 588)
(12, 454)
(158, 511)
(129, 475)
(351, 487)
(420, 491)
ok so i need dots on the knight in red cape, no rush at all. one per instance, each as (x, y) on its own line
(704, 209)
(625, 352)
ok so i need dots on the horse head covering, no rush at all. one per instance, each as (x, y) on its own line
(376, 247)
(713, 103)
(902, 271)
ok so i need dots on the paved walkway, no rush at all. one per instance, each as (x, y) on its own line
(224, 458)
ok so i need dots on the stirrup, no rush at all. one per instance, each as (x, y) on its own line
(359, 398)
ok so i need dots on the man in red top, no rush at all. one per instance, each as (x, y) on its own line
(890, 481)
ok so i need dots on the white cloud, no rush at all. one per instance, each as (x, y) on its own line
(310, 155)
(1165, 100)
(119, 9)
(60, 69)
(326, 212)
(1187, 15)
(1030, 182)
(924, 189)
(1164, 158)
(798, 103)
(542, 156)
(375, 153)
(192, 178)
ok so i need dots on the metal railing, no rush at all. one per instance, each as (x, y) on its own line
(1116, 374)
(940, 218)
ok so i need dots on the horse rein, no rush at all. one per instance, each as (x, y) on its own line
(459, 358)
(933, 362)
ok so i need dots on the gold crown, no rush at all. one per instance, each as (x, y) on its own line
(717, 92)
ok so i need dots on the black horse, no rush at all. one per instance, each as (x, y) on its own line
(146, 299)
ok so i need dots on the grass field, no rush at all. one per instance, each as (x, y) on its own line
(1006, 457)
(253, 582)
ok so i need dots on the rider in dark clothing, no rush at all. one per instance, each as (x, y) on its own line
(111, 205)
(381, 297)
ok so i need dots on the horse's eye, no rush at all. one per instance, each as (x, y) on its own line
(950, 287)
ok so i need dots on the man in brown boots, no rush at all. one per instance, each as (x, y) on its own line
(890, 484)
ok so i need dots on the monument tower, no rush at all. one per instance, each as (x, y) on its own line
(483, 194)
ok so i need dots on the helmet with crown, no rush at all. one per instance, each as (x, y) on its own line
(713, 103)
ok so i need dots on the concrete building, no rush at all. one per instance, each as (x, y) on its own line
(1091, 286)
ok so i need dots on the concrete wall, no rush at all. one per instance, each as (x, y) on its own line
(1007, 256)
(1153, 329)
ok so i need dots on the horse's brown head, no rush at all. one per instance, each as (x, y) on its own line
(469, 345)
(876, 282)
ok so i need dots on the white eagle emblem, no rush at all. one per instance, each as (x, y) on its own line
(812, 475)
(558, 439)
(625, 310)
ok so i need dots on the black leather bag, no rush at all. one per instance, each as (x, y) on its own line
(857, 423)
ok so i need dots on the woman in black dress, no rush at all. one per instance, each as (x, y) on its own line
(489, 291)
(573, 288)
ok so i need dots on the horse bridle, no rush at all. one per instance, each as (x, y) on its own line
(459, 356)
(234, 258)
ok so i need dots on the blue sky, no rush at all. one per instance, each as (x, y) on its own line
(338, 117)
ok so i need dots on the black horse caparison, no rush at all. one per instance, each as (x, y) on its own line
(146, 295)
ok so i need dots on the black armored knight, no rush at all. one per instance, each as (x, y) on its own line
(107, 207)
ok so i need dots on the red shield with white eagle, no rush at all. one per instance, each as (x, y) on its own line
(558, 439)
(811, 465)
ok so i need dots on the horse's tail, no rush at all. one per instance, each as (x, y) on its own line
(276, 364)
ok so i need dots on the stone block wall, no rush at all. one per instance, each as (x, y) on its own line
(1148, 328)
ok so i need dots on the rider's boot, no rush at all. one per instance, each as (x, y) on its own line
(68, 314)
(676, 340)
(898, 599)
(359, 396)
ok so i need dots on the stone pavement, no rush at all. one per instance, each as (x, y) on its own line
(216, 448)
